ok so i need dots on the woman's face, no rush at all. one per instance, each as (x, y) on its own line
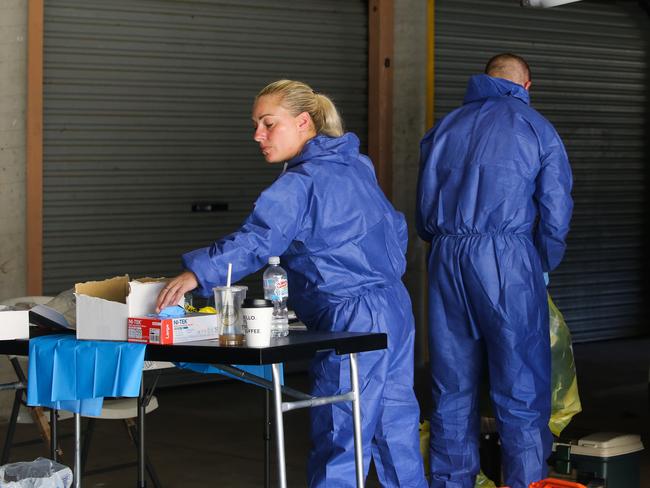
(280, 135)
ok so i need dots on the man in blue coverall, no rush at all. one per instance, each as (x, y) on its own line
(494, 202)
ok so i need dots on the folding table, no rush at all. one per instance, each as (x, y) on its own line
(299, 345)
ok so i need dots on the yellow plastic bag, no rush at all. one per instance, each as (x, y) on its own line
(424, 445)
(483, 481)
(565, 400)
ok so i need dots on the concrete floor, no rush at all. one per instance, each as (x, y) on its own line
(211, 434)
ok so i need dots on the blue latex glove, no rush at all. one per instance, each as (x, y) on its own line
(546, 279)
(171, 312)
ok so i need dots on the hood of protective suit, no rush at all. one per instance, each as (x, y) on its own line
(339, 150)
(481, 87)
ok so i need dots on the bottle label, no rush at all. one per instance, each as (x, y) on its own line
(279, 287)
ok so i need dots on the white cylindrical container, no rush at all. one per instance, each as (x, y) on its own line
(258, 315)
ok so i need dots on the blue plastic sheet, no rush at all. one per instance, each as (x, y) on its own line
(261, 371)
(68, 374)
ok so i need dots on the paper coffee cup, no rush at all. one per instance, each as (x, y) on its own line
(257, 314)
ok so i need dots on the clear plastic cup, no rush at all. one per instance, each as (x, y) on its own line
(198, 301)
(228, 302)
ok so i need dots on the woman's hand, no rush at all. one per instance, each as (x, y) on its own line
(175, 289)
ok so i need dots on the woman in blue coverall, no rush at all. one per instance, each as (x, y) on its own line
(343, 246)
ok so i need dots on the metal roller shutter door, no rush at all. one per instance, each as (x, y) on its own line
(589, 65)
(147, 110)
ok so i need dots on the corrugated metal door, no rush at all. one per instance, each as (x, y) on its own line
(589, 66)
(147, 112)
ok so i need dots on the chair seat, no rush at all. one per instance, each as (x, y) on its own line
(123, 408)
(113, 408)
(24, 417)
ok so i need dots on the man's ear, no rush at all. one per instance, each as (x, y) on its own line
(527, 84)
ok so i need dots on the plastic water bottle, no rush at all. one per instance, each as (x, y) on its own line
(276, 289)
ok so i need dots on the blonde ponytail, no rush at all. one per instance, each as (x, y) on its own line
(329, 120)
(298, 97)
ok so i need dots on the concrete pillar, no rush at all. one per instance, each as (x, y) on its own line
(13, 34)
(409, 115)
(13, 55)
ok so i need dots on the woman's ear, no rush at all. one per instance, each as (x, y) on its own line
(304, 121)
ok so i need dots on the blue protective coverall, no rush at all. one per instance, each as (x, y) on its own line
(494, 202)
(343, 246)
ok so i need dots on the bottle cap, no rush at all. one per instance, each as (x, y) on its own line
(274, 260)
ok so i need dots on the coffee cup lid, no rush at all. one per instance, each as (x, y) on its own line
(257, 303)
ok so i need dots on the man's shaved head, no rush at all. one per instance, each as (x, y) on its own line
(510, 67)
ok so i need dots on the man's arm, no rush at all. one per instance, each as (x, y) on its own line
(554, 202)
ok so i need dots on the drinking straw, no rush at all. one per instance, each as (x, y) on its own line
(227, 305)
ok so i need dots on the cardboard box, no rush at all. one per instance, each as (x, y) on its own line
(14, 324)
(173, 330)
(103, 307)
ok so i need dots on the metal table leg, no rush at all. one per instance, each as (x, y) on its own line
(356, 417)
(279, 425)
(307, 401)
(267, 439)
(142, 479)
(77, 450)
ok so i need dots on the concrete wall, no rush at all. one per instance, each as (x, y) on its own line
(409, 118)
(13, 55)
